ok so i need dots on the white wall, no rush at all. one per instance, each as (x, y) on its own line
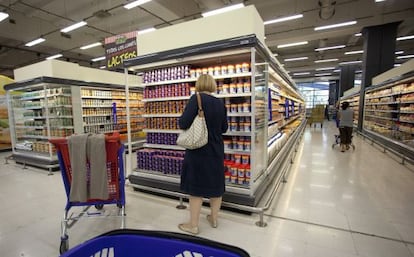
(67, 70)
(239, 22)
(392, 73)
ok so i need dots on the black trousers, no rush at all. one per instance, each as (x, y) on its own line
(346, 135)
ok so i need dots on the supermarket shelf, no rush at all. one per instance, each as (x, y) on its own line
(97, 115)
(157, 175)
(274, 121)
(98, 124)
(382, 118)
(239, 114)
(165, 147)
(407, 112)
(407, 102)
(97, 97)
(166, 115)
(30, 127)
(387, 111)
(236, 75)
(237, 133)
(174, 131)
(231, 151)
(381, 96)
(36, 137)
(42, 97)
(411, 122)
(175, 98)
(383, 103)
(233, 95)
(96, 106)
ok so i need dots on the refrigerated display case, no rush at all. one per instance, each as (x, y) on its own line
(389, 113)
(49, 107)
(243, 69)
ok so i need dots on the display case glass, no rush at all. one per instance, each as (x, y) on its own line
(241, 69)
(389, 111)
(45, 108)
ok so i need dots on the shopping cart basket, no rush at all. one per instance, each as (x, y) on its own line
(338, 142)
(142, 243)
(116, 182)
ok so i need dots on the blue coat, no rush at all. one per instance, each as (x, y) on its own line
(203, 168)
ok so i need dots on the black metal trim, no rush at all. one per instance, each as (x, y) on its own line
(390, 143)
(45, 79)
(220, 45)
(169, 186)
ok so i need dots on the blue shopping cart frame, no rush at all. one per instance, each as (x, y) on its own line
(144, 243)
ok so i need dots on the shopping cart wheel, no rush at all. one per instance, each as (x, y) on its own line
(119, 205)
(64, 245)
(99, 206)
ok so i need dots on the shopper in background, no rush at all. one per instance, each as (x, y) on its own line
(203, 168)
(346, 123)
(327, 112)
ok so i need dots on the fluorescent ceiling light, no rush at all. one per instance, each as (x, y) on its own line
(399, 52)
(91, 45)
(330, 48)
(98, 59)
(135, 4)
(102, 67)
(293, 44)
(351, 62)
(379, 1)
(301, 73)
(287, 18)
(397, 65)
(74, 26)
(54, 56)
(35, 42)
(358, 34)
(3, 16)
(354, 52)
(146, 30)
(348, 23)
(405, 56)
(296, 59)
(336, 70)
(326, 68)
(323, 74)
(327, 60)
(223, 10)
(405, 38)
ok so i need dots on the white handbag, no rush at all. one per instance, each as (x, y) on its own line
(196, 135)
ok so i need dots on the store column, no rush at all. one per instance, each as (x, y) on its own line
(333, 92)
(346, 78)
(379, 56)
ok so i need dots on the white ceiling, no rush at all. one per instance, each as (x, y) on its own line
(30, 19)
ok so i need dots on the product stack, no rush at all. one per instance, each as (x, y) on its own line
(166, 94)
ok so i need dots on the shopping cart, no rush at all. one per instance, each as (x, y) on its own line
(338, 142)
(142, 243)
(116, 183)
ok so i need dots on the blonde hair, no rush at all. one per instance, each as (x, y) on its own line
(206, 83)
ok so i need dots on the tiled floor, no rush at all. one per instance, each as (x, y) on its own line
(358, 203)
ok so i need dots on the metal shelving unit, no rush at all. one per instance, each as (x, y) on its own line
(240, 190)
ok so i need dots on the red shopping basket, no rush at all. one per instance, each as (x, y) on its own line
(116, 180)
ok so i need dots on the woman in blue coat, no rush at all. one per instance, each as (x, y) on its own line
(203, 168)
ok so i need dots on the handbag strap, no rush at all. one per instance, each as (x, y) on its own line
(200, 107)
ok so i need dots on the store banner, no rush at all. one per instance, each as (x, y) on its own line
(119, 48)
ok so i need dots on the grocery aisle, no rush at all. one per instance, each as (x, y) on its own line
(334, 204)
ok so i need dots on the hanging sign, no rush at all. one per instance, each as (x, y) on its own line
(119, 48)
